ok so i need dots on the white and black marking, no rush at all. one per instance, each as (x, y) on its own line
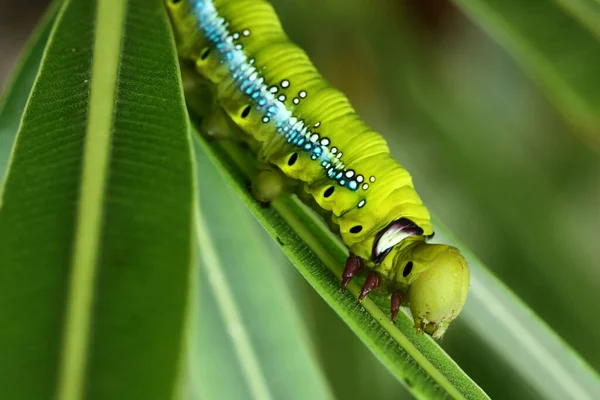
(391, 235)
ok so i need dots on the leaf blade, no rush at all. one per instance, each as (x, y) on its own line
(415, 375)
(137, 338)
(271, 353)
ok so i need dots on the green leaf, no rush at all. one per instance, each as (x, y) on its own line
(558, 44)
(96, 213)
(254, 345)
(16, 93)
(414, 359)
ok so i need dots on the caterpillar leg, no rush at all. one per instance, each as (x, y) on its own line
(353, 267)
(373, 281)
(395, 302)
(215, 126)
(267, 185)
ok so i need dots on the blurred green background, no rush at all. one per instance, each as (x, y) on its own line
(489, 154)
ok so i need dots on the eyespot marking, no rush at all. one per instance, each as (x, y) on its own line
(246, 111)
(407, 269)
(356, 229)
(205, 54)
(293, 159)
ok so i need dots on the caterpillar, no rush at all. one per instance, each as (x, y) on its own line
(308, 139)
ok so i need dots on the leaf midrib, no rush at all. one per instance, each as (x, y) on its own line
(109, 27)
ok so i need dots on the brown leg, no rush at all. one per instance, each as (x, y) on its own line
(395, 302)
(371, 283)
(353, 267)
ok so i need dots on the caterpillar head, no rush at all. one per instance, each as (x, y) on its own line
(439, 292)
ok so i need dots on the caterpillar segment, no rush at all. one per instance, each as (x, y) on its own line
(306, 132)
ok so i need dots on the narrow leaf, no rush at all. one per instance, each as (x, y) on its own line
(254, 331)
(414, 359)
(96, 213)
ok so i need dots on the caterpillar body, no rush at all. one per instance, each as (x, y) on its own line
(305, 131)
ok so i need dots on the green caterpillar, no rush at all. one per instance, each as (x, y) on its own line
(309, 140)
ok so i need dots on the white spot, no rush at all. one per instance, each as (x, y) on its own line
(273, 89)
(339, 155)
(314, 137)
(372, 179)
(349, 174)
(238, 46)
(302, 94)
(235, 36)
(265, 119)
(296, 100)
(362, 203)
(281, 97)
(359, 178)
(246, 32)
(365, 186)
(285, 83)
(318, 124)
(334, 150)
(325, 141)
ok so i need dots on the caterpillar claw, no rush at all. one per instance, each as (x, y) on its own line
(371, 283)
(352, 267)
(395, 305)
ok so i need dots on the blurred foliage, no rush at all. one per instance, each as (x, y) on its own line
(490, 156)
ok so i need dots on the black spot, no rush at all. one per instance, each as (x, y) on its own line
(246, 111)
(281, 243)
(407, 269)
(356, 229)
(329, 191)
(205, 53)
(293, 159)
(175, 1)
